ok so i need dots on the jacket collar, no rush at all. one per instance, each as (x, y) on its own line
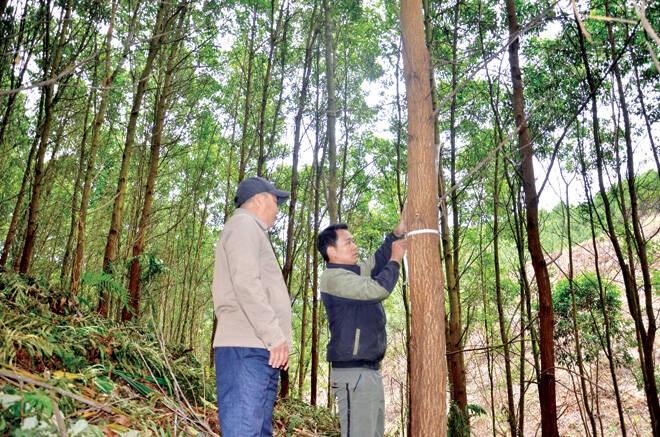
(350, 267)
(260, 222)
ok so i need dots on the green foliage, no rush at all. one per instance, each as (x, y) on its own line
(296, 415)
(101, 282)
(35, 338)
(590, 309)
(457, 420)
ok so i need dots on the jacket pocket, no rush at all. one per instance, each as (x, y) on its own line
(356, 342)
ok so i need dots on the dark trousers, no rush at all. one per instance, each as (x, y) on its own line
(247, 386)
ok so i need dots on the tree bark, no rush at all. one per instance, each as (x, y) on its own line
(50, 98)
(428, 415)
(163, 98)
(547, 390)
(112, 240)
(646, 336)
(99, 117)
(331, 113)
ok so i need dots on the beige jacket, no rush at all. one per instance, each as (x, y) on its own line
(250, 297)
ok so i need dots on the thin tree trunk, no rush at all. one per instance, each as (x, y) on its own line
(11, 232)
(576, 331)
(547, 390)
(655, 150)
(488, 332)
(601, 293)
(646, 337)
(108, 80)
(428, 345)
(640, 243)
(309, 249)
(302, 103)
(17, 80)
(163, 99)
(502, 317)
(273, 42)
(75, 204)
(247, 104)
(316, 169)
(331, 113)
(112, 241)
(451, 249)
(43, 130)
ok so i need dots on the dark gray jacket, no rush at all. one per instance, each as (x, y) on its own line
(352, 296)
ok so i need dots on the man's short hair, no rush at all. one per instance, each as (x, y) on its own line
(328, 237)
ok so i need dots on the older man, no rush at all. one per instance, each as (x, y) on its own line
(252, 305)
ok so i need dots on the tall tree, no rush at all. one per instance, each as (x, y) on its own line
(547, 394)
(109, 77)
(165, 93)
(114, 233)
(646, 335)
(52, 66)
(428, 415)
(331, 112)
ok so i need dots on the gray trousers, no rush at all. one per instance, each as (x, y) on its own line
(361, 401)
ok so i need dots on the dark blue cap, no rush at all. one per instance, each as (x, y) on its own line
(255, 185)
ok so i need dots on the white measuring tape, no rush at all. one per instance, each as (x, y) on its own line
(423, 231)
(415, 232)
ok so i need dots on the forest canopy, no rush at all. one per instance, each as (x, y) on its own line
(127, 125)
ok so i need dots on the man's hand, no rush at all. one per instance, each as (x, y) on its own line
(402, 227)
(399, 248)
(279, 356)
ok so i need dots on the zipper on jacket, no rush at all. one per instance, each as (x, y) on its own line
(356, 344)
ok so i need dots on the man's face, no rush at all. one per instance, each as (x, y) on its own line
(344, 251)
(269, 208)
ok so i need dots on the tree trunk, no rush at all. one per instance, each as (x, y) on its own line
(576, 331)
(247, 104)
(502, 317)
(646, 337)
(428, 406)
(11, 232)
(274, 40)
(16, 80)
(451, 239)
(331, 113)
(655, 150)
(110, 255)
(310, 248)
(99, 117)
(314, 376)
(547, 395)
(302, 103)
(51, 68)
(75, 204)
(163, 98)
(640, 243)
(606, 317)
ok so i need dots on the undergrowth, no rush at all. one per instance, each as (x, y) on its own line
(64, 370)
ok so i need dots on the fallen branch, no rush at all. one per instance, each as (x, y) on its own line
(19, 380)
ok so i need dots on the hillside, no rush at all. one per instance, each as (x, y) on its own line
(74, 373)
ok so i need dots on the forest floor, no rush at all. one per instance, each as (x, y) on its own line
(80, 374)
